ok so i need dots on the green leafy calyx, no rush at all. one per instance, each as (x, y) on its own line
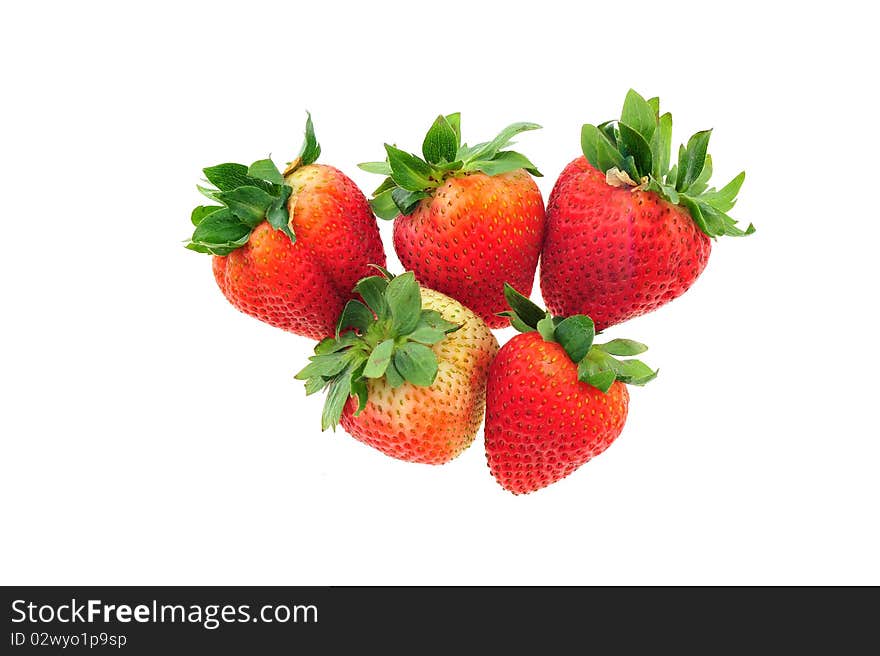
(597, 364)
(410, 178)
(389, 336)
(247, 196)
(635, 152)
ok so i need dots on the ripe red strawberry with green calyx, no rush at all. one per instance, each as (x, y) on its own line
(406, 372)
(555, 399)
(288, 248)
(468, 218)
(625, 232)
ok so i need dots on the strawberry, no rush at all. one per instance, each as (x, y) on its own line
(625, 233)
(288, 248)
(554, 399)
(408, 377)
(467, 219)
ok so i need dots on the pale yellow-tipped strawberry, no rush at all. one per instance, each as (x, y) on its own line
(406, 373)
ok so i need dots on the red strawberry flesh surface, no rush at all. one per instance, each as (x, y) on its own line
(542, 423)
(472, 235)
(613, 253)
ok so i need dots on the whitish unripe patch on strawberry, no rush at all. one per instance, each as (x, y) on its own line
(412, 371)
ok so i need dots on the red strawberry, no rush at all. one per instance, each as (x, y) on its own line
(288, 249)
(554, 398)
(467, 218)
(410, 378)
(625, 234)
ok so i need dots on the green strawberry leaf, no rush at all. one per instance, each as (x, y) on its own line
(432, 328)
(733, 231)
(326, 345)
(311, 149)
(210, 194)
(596, 370)
(227, 177)
(379, 359)
(691, 166)
(265, 169)
(640, 116)
(359, 389)
(697, 214)
(524, 310)
(200, 248)
(354, 315)
(247, 203)
(725, 198)
(633, 372)
(408, 171)
(406, 201)
(622, 347)
(683, 158)
(633, 144)
(672, 175)
(393, 376)
(405, 304)
(221, 231)
(715, 220)
(383, 204)
(325, 366)
(547, 328)
(278, 215)
(388, 184)
(454, 121)
(450, 167)
(332, 345)
(417, 363)
(661, 145)
(424, 334)
(217, 249)
(505, 162)
(385, 273)
(608, 157)
(575, 334)
(315, 384)
(670, 193)
(488, 150)
(698, 186)
(382, 168)
(435, 320)
(441, 142)
(372, 290)
(337, 396)
(200, 212)
(600, 370)
(608, 130)
(590, 137)
(517, 323)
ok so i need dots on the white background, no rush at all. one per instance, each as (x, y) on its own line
(152, 434)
